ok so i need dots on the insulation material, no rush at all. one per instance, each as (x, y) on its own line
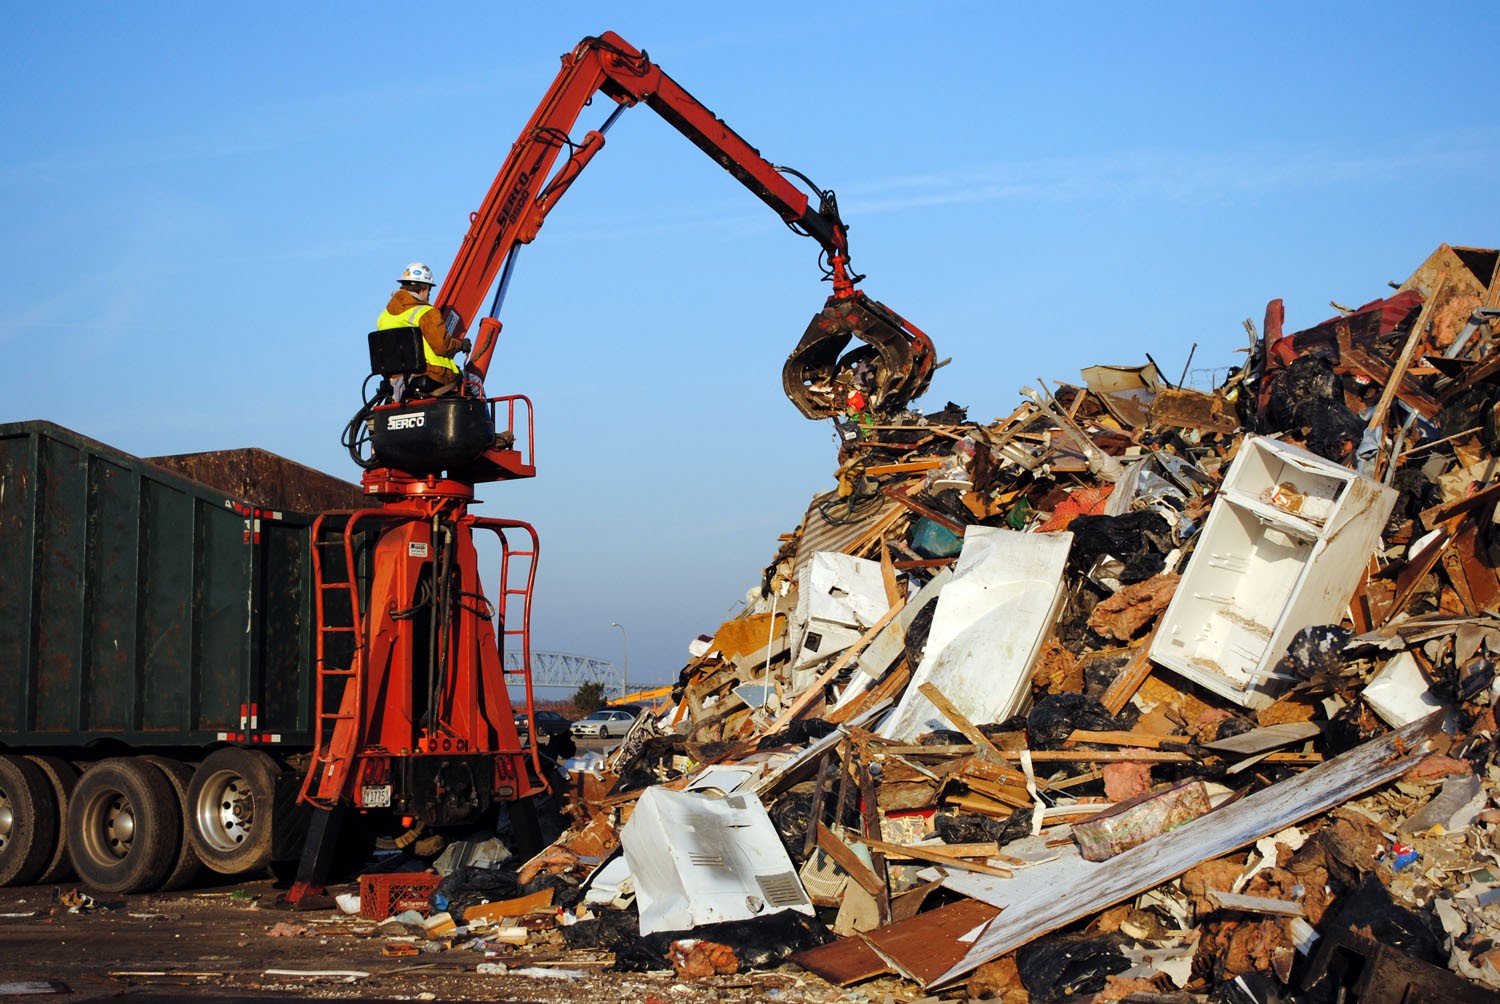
(699, 860)
(987, 629)
(1138, 819)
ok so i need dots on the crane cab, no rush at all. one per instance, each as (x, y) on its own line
(459, 432)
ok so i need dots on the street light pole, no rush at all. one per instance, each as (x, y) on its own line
(625, 672)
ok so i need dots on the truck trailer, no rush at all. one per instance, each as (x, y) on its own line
(159, 629)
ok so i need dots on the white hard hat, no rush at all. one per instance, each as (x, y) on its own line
(418, 272)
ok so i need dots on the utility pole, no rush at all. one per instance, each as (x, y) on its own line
(624, 672)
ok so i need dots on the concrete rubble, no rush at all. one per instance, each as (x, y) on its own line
(1139, 692)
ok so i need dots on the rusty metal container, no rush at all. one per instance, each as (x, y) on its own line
(140, 605)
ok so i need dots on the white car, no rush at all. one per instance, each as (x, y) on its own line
(604, 723)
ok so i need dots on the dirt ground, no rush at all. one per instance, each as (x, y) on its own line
(223, 941)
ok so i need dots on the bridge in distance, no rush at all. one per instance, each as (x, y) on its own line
(564, 671)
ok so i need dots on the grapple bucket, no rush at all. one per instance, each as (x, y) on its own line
(892, 368)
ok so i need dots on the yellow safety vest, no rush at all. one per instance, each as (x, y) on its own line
(409, 320)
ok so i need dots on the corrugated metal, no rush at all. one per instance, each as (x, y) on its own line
(138, 605)
(818, 534)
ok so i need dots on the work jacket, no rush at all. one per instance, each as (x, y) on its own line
(406, 311)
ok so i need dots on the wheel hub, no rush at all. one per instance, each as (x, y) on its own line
(7, 819)
(227, 811)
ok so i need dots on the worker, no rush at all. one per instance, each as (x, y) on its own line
(409, 309)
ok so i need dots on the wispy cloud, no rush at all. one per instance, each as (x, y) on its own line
(1174, 175)
(1183, 177)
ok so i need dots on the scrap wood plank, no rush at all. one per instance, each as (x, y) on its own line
(933, 935)
(895, 493)
(937, 857)
(889, 687)
(1398, 372)
(1080, 888)
(1124, 686)
(888, 574)
(1266, 737)
(990, 771)
(982, 849)
(1143, 756)
(844, 962)
(1470, 572)
(904, 467)
(1016, 798)
(986, 749)
(1409, 580)
(1143, 740)
(870, 822)
(849, 861)
(917, 749)
(974, 801)
(876, 530)
(1438, 514)
(1257, 904)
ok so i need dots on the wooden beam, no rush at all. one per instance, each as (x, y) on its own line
(1124, 686)
(936, 857)
(970, 731)
(1140, 739)
(904, 467)
(849, 861)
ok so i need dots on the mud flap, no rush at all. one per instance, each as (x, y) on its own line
(892, 368)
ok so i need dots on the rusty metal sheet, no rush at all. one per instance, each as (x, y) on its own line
(923, 947)
(266, 479)
(843, 962)
(1193, 409)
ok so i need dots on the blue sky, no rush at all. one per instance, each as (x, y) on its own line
(206, 205)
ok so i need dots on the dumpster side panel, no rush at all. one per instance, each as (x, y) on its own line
(140, 606)
(288, 639)
(221, 614)
(17, 600)
(165, 652)
(58, 662)
(109, 590)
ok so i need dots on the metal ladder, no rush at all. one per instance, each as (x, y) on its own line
(338, 700)
(517, 582)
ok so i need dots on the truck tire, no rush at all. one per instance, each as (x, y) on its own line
(231, 798)
(123, 827)
(28, 821)
(179, 775)
(64, 777)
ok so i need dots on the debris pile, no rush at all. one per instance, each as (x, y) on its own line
(1141, 689)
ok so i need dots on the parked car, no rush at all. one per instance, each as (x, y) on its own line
(549, 723)
(606, 722)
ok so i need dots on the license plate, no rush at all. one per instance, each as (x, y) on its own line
(375, 796)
